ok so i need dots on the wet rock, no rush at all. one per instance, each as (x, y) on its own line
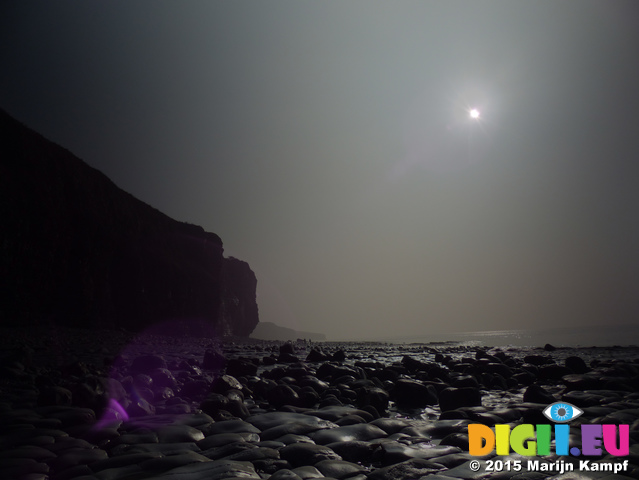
(316, 355)
(77, 457)
(553, 372)
(178, 433)
(287, 348)
(281, 395)
(454, 398)
(287, 358)
(395, 452)
(538, 394)
(237, 367)
(307, 472)
(147, 363)
(163, 377)
(576, 364)
(354, 450)
(408, 470)
(376, 397)
(213, 360)
(123, 460)
(338, 356)
(224, 383)
(412, 393)
(538, 359)
(285, 474)
(362, 432)
(214, 470)
(55, 396)
(232, 426)
(254, 454)
(140, 408)
(459, 440)
(173, 461)
(303, 454)
(582, 382)
(338, 468)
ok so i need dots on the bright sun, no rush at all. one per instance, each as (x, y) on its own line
(474, 113)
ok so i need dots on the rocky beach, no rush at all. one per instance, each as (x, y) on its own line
(115, 405)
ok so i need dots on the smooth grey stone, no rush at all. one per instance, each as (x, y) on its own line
(124, 460)
(454, 459)
(335, 412)
(294, 428)
(29, 451)
(179, 433)
(292, 438)
(69, 443)
(274, 419)
(227, 450)
(173, 461)
(271, 444)
(147, 363)
(339, 468)
(308, 472)
(232, 426)
(165, 448)
(394, 452)
(408, 470)
(117, 473)
(215, 470)
(253, 454)
(78, 457)
(302, 454)
(355, 450)
(74, 472)
(136, 438)
(285, 474)
(363, 432)
(391, 425)
(23, 470)
(21, 440)
(438, 429)
(220, 439)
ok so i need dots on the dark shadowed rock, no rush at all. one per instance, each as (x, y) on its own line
(213, 360)
(241, 368)
(147, 363)
(301, 454)
(454, 398)
(538, 394)
(413, 393)
(576, 364)
(225, 383)
(316, 355)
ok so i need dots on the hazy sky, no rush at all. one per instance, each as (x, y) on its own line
(329, 144)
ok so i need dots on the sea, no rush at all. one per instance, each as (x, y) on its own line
(589, 336)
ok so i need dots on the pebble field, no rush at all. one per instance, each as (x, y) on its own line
(112, 405)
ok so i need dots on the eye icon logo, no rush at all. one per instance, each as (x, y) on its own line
(562, 412)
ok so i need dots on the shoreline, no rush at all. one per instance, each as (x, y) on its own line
(123, 406)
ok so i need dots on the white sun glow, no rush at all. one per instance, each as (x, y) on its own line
(474, 113)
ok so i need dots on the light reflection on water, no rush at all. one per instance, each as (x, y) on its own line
(560, 337)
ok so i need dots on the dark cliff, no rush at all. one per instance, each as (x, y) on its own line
(77, 250)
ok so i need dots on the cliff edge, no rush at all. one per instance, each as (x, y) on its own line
(77, 250)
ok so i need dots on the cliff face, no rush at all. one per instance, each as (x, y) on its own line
(77, 250)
